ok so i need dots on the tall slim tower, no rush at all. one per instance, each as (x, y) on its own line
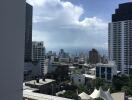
(28, 33)
(120, 38)
(12, 36)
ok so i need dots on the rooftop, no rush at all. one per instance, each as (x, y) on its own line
(29, 93)
(41, 82)
(90, 76)
(110, 64)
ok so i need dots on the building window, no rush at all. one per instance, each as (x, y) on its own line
(108, 70)
(102, 69)
(102, 72)
(108, 76)
(97, 72)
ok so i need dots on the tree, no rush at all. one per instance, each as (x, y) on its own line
(99, 82)
(120, 81)
(125, 89)
(82, 88)
(70, 94)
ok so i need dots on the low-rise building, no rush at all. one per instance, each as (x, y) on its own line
(82, 79)
(64, 60)
(45, 86)
(30, 94)
(106, 71)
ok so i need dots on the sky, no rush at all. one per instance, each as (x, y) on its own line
(73, 24)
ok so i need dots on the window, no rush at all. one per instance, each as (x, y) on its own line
(102, 72)
(108, 70)
(108, 76)
(97, 72)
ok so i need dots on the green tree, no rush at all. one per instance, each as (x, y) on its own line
(99, 82)
(125, 89)
(70, 94)
(120, 81)
(82, 88)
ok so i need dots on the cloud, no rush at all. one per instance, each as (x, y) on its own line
(58, 24)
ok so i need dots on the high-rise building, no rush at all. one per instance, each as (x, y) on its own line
(38, 54)
(28, 33)
(12, 34)
(94, 56)
(120, 38)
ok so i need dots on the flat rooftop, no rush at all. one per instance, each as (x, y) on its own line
(106, 65)
(29, 94)
(41, 82)
(90, 76)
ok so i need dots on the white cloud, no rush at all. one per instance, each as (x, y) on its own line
(36, 2)
(58, 24)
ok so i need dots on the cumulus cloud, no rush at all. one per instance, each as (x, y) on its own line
(58, 24)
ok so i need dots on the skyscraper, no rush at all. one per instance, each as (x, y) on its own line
(28, 33)
(120, 38)
(12, 34)
(38, 54)
(94, 56)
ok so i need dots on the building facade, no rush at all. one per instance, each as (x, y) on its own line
(106, 71)
(38, 54)
(12, 34)
(120, 38)
(94, 56)
(28, 33)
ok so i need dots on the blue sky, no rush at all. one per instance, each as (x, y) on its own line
(73, 23)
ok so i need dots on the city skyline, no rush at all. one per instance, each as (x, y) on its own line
(68, 24)
(66, 50)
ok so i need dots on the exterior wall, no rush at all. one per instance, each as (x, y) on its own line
(106, 71)
(28, 33)
(12, 34)
(110, 41)
(120, 46)
(38, 52)
(78, 79)
(94, 56)
(64, 60)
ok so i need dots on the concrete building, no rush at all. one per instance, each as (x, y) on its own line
(120, 38)
(38, 54)
(64, 60)
(82, 79)
(12, 36)
(94, 56)
(28, 33)
(106, 71)
(45, 86)
(30, 94)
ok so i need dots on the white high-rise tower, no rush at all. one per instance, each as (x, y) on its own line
(38, 54)
(120, 38)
